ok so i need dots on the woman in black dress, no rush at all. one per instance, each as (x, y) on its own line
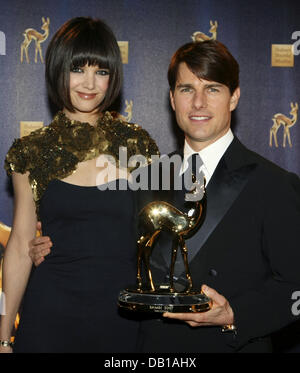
(69, 302)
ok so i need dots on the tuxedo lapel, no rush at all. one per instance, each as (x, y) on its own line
(227, 182)
(223, 190)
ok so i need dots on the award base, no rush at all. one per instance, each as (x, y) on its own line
(147, 301)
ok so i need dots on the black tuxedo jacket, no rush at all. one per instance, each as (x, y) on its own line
(247, 249)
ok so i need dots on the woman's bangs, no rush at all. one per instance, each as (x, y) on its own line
(89, 53)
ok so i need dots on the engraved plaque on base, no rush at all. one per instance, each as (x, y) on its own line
(159, 302)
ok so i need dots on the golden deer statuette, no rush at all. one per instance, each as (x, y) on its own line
(160, 216)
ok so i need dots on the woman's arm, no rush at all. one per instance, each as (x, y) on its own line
(16, 263)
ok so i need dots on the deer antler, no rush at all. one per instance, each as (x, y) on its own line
(44, 21)
(294, 105)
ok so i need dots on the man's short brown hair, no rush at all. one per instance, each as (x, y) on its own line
(209, 60)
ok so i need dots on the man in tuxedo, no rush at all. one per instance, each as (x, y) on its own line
(246, 254)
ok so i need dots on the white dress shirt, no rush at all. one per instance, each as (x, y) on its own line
(210, 155)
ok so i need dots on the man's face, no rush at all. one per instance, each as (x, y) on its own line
(203, 108)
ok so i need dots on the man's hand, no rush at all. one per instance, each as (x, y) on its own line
(220, 313)
(39, 247)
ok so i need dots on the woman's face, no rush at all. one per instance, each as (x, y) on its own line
(88, 87)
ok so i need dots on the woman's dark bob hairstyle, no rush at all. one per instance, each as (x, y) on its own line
(78, 42)
(209, 60)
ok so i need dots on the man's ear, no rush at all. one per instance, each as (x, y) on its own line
(235, 98)
(172, 99)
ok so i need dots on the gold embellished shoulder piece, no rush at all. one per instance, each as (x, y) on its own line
(20, 153)
(133, 137)
(54, 151)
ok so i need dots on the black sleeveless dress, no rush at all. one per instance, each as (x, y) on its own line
(70, 304)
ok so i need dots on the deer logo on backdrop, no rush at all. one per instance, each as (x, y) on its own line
(200, 36)
(30, 35)
(286, 122)
(128, 110)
